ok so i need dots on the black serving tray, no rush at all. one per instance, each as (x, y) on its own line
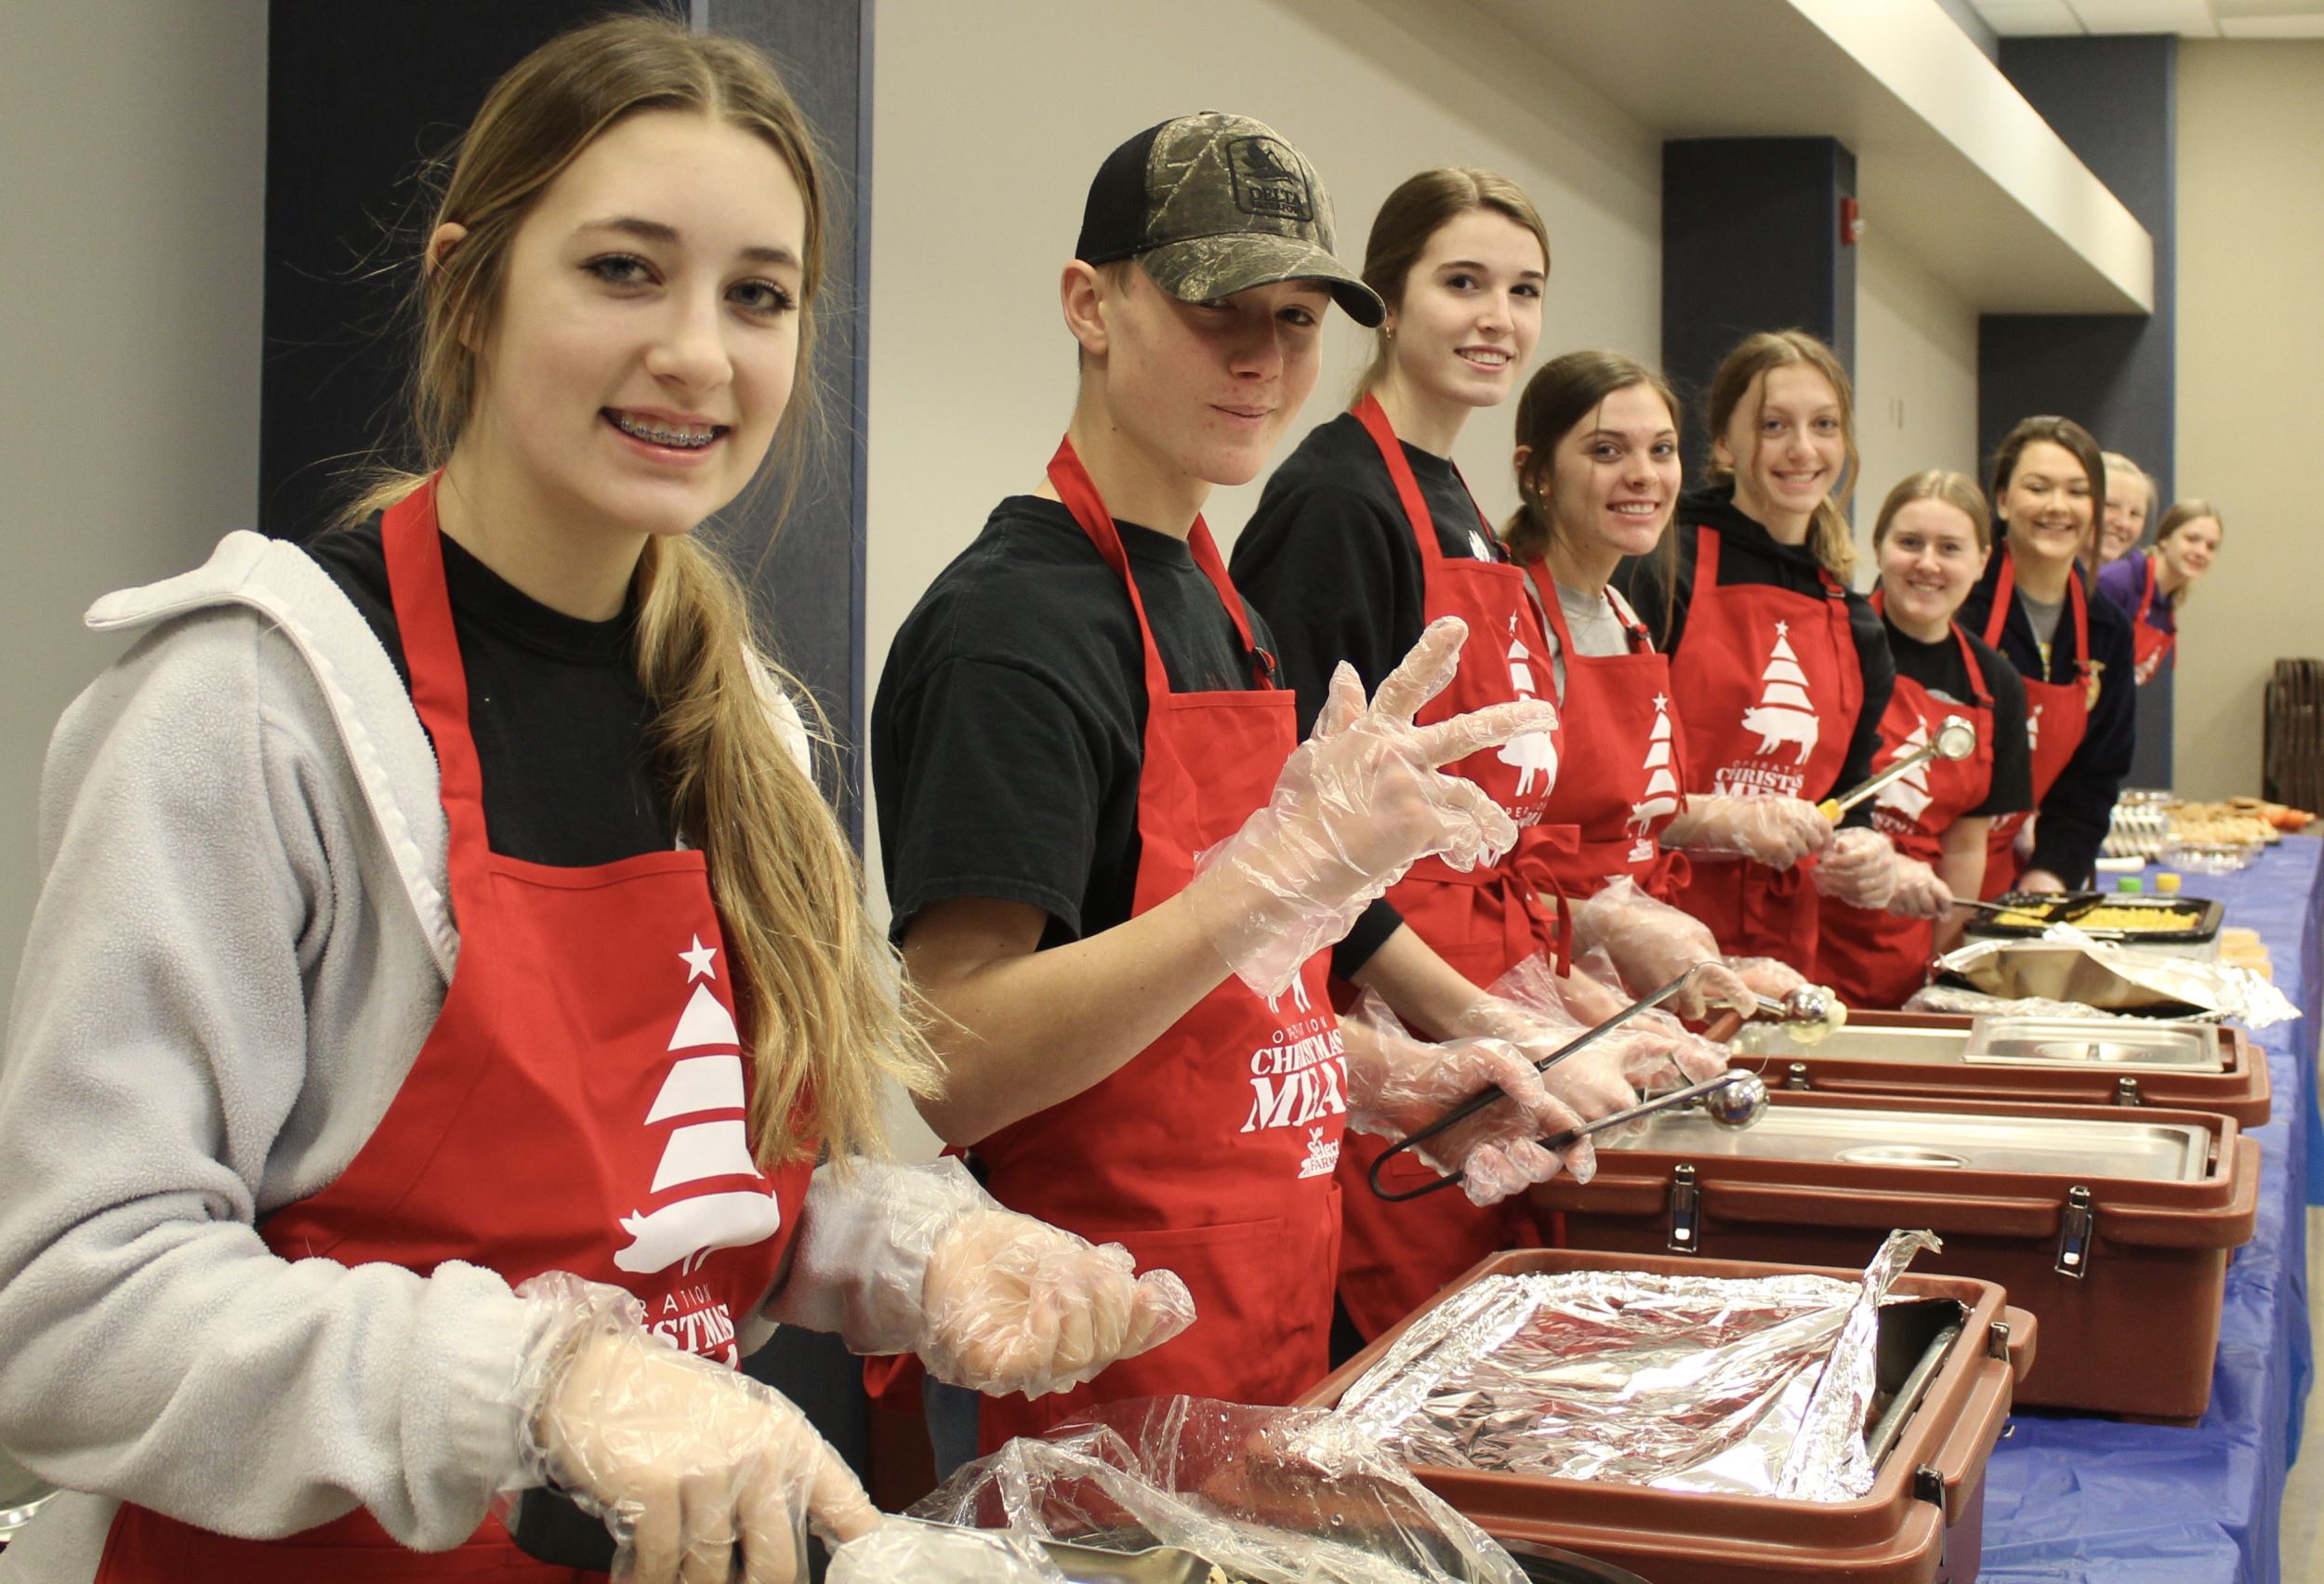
(2202, 916)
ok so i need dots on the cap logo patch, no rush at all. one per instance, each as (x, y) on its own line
(1268, 181)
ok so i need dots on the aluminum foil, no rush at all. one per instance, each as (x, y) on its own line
(1758, 1386)
(2064, 963)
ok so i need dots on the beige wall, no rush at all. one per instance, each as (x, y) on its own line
(129, 380)
(2250, 344)
(1916, 379)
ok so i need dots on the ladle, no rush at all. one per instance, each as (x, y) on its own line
(1956, 739)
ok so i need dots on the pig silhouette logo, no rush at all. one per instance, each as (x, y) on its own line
(1785, 713)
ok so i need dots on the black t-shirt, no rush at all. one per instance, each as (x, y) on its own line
(555, 706)
(1939, 667)
(1330, 560)
(1008, 734)
(1750, 555)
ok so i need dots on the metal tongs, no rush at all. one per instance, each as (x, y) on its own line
(1742, 1096)
(1956, 739)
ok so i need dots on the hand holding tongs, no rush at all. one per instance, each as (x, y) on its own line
(1589, 1036)
(1956, 739)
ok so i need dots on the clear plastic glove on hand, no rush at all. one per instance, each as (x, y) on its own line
(1651, 942)
(1860, 868)
(1015, 1304)
(1777, 832)
(1767, 976)
(1356, 805)
(1919, 894)
(702, 1474)
(1398, 1085)
(1651, 1051)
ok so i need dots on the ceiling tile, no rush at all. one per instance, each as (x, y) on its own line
(2189, 18)
(2024, 19)
(2273, 27)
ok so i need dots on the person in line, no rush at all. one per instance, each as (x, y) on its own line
(2149, 587)
(2074, 653)
(1107, 879)
(2130, 507)
(1363, 536)
(1783, 668)
(1932, 540)
(446, 972)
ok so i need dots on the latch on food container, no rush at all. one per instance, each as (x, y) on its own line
(1686, 1211)
(2126, 1091)
(2074, 1238)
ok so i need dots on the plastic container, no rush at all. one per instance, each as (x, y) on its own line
(1921, 1523)
(1929, 1054)
(2125, 1265)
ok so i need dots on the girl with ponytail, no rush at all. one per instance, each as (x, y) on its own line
(1782, 665)
(448, 976)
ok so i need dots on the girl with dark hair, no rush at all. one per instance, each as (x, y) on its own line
(1932, 540)
(2033, 605)
(1364, 536)
(448, 975)
(1783, 668)
(2150, 586)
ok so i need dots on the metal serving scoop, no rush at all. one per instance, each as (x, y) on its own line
(1956, 739)
(1734, 1099)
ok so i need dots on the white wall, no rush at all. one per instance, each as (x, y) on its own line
(135, 140)
(1916, 379)
(2251, 341)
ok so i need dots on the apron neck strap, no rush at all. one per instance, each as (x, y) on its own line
(1079, 494)
(431, 652)
(1374, 417)
(2146, 592)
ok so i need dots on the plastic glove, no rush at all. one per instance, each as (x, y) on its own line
(1651, 1051)
(1398, 1085)
(1777, 832)
(1767, 976)
(694, 1467)
(1651, 942)
(1860, 868)
(1355, 806)
(1919, 894)
(920, 1259)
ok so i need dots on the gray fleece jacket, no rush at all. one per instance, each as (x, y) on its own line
(243, 937)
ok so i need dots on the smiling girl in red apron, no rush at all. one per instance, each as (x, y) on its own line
(2081, 712)
(1351, 553)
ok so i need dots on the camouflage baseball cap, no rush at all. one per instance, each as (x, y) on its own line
(1211, 204)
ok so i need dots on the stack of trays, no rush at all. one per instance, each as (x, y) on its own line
(1920, 1524)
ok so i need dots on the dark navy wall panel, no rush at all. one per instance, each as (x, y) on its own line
(2114, 102)
(1750, 241)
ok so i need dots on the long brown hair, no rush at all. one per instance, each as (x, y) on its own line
(2178, 517)
(1829, 536)
(817, 987)
(1956, 489)
(1561, 394)
(2074, 438)
(1419, 207)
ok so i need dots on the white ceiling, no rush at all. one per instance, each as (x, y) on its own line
(2189, 18)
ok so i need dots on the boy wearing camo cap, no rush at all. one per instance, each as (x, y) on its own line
(1104, 877)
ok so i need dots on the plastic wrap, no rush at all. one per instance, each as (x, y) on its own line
(1758, 1386)
(2065, 964)
(1276, 1495)
(1356, 805)
(1397, 1085)
(682, 1457)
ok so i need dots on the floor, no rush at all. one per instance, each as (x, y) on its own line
(2303, 1492)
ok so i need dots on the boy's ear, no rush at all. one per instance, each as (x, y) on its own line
(1082, 297)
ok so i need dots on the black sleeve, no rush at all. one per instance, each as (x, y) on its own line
(2075, 815)
(993, 789)
(1336, 580)
(1878, 668)
(1639, 579)
(2011, 787)
(1370, 932)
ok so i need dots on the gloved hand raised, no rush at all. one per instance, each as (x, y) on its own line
(1777, 832)
(1398, 1085)
(1356, 805)
(694, 1467)
(1651, 942)
(1920, 894)
(1860, 868)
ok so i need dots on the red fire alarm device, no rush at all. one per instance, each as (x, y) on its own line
(1851, 223)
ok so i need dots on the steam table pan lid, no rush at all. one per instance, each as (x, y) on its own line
(2163, 1152)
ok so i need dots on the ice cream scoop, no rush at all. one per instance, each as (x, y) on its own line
(1956, 739)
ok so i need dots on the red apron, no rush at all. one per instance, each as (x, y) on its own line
(1394, 1258)
(1773, 686)
(1876, 957)
(1623, 778)
(2150, 646)
(2057, 716)
(585, 1069)
(1210, 1153)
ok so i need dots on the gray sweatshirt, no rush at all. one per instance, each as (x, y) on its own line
(243, 937)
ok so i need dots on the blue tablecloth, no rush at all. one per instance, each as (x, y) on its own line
(2070, 1498)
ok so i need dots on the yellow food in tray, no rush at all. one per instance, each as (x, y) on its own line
(2124, 918)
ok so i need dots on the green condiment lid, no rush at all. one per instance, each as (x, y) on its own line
(2130, 883)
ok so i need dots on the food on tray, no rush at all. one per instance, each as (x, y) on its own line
(2127, 918)
(2238, 822)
